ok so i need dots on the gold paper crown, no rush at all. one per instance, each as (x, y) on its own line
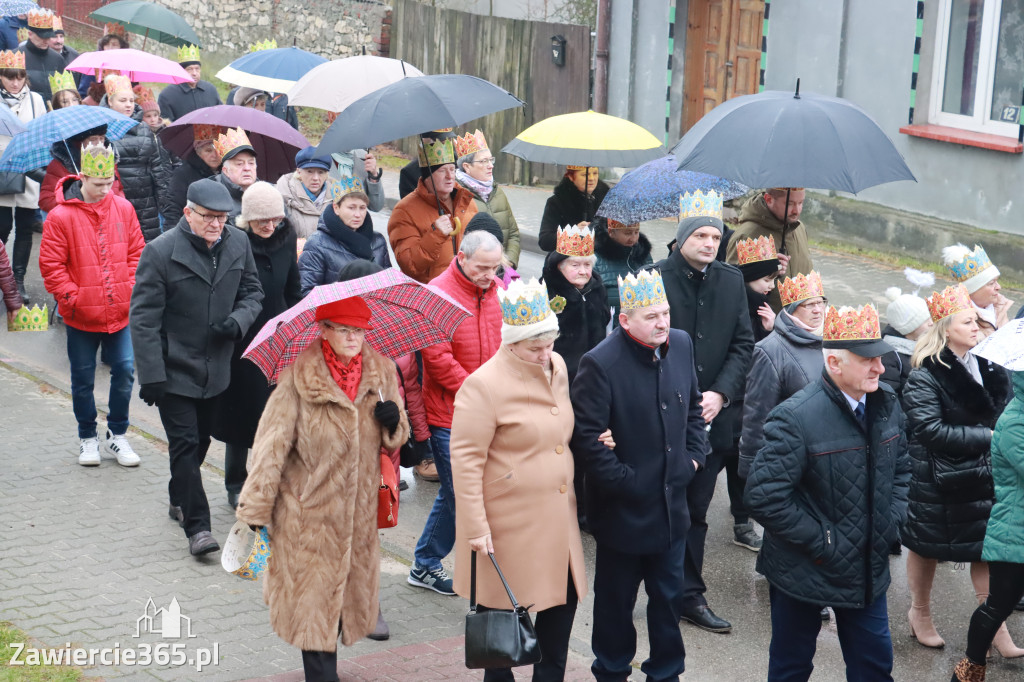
(264, 45)
(755, 250)
(12, 60)
(801, 288)
(97, 161)
(62, 80)
(143, 94)
(58, 24)
(697, 203)
(230, 140)
(206, 131)
(438, 152)
(575, 167)
(524, 303)
(949, 301)
(22, 34)
(34, 319)
(470, 144)
(115, 83)
(341, 187)
(115, 29)
(575, 241)
(851, 324)
(188, 53)
(642, 290)
(41, 19)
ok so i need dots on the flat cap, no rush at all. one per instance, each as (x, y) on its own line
(211, 195)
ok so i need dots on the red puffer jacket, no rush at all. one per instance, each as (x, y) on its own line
(57, 171)
(446, 365)
(88, 255)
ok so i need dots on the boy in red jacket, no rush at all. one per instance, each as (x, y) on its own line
(90, 248)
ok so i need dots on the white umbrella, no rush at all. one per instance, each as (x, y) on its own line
(338, 83)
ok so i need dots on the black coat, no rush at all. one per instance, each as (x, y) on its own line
(754, 302)
(181, 289)
(711, 307)
(950, 420)
(830, 495)
(567, 206)
(584, 322)
(636, 493)
(40, 64)
(326, 251)
(408, 178)
(896, 363)
(615, 260)
(144, 176)
(236, 193)
(239, 407)
(179, 99)
(192, 168)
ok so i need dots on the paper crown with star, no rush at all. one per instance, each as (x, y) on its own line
(851, 324)
(470, 144)
(574, 240)
(340, 186)
(202, 132)
(974, 269)
(12, 60)
(641, 290)
(41, 19)
(188, 53)
(801, 288)
(97, 161)
(116, 83)
(115, 29)
(34, 319)
(62, 80)
(264, 45)
(231, 139)
(699, 204)
(755, 250)
(437, 152)
(949, 301)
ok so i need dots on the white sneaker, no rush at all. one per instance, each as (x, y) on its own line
(122, 449)
(89, 452)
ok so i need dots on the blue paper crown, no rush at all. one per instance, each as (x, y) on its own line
(340, 187)
(642, 290)
(524, 303)
(971, 264)
(697, 203)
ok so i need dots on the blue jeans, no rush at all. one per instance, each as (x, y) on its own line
(117, 349)
(438, 535)
(863, 636)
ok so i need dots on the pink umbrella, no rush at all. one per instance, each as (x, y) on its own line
(139, 66)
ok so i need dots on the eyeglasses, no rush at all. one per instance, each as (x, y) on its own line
(267, 221)
(487, 162)
(344, 330)
(211, 218)
(823, 303)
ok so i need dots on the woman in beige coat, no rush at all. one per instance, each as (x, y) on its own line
(512, 472)
(313, 481)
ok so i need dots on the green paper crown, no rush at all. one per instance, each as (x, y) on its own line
(34, 319)
(264, 45)
(98, 161)
(439, 152)
(188, 53)
(62, 80)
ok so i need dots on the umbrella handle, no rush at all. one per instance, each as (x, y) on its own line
(144, 39)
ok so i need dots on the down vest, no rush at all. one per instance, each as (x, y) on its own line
(446, 365)
(144, 176)
(1004, 538)
(950, 418)
(87, 257)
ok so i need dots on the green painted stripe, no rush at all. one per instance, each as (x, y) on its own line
(920, 27)
(913, 98)
(917, 63)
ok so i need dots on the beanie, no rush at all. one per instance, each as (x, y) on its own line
(905, 312)
(486, 222)
(260, 202)
(688, 226)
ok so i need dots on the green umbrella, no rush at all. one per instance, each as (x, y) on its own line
(150, 20)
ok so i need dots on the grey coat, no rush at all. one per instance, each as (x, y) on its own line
(784, 362)
(181, 288)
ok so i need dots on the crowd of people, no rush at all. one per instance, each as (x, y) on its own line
(606, 398)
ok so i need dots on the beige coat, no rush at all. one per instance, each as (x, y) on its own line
(313, 481)
(512, 471)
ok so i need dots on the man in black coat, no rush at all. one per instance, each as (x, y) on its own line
(196, 293)
(40, 60)
(708, 299)
(58, 45)
(640, 384)
(178, 99)
(830, 488)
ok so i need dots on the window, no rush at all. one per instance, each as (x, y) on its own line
(979, 68)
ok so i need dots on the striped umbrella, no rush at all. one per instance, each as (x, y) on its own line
(407, 316)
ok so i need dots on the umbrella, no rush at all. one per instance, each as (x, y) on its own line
(411, 106)
(31, 149)
(338, 83)
(586, 138)
(10, 125)
(273, 70)
(652, 191)
(150, 20)
(12, 8)
(139, 66)
(1005, 346)
(407, 316)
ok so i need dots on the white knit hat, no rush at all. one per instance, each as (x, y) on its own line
(905, 312)
(260, 202)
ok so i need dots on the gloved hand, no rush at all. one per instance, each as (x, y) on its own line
(152, 393)
(226, 329)
(387, 414)
(424, 450)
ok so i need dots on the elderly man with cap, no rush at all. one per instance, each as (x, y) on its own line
(40, 60)
(830, 488)
(640, 384)
(176, 100)
(305, 191)
(709, 302)
(196, 293)
(980, 277)
(237, 166)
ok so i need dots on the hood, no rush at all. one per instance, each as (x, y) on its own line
(1017, 379)
(609, 249)
(788, 329)
(69, 190)
(756, 211)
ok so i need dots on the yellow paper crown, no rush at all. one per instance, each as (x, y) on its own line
(575, 241)
(12, 60)
(58, 23)
(115, 29)
(575, 167)
(755, 250)
(642, 290)
(115, 83)
(949, 301)
(470, 144)
(143, 94)
(22, 34)
(341, 187)
(34, 319)
(97, 161)
(801, 288)
(62, 80)
(41, 19)
(852, 324)
(697, 203)
(230, 140)
(206, 131)
(438, 152)
(188, 53)
(263, 45)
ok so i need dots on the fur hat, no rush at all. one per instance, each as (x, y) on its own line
(260, 202)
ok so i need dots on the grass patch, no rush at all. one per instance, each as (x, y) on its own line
(35, 673)
(395, 163)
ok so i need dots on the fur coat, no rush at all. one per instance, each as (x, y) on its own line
(313, 481)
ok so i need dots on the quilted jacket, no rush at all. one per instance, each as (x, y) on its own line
(8, 287)
(830, 495)
(1004, 538)
(144, 175)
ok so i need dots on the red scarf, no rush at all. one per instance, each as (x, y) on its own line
(348, 377)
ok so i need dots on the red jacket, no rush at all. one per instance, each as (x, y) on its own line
(57, 171)
(88, 255)
(446, 365)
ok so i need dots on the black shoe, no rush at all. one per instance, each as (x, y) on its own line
(703, 617)
(233, 499)
(25, 300)
(825, 615)
(202, 543)
(403, 485)
(176, 514)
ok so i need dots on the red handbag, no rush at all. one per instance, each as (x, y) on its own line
(387, 500)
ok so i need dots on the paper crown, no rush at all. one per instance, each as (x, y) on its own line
(34, 319)
(143, 94)
(641, 290)
(244, 557)
(524, 303)
(801, 288)
(231, 139)
(206, 131)
(341, 187)
(949, 301)
(98, 161)
(755, 250)
(697, 203)
(115, 29)
(575, 241)
(58, 24)
(115, 83)
(62, 80)
(264, 45)
(12, 60)
(438, 152)
(41, 19)
(852, 324)
(470, 144)
(188, 53)
(973, 268)
(575, 167)
(22, 34)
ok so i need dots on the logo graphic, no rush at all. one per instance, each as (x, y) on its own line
(166, 622)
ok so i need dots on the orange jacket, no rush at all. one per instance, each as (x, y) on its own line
(422, 252)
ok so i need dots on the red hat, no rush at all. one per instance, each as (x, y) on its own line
(352, 311)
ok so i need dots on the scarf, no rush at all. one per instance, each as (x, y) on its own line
(358, 241)
(800, 324)
(481, 188)
(347, 377)
(987, 314)
(14, 102)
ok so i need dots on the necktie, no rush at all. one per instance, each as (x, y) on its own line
(859, 411)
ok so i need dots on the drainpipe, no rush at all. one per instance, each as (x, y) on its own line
(604, 16)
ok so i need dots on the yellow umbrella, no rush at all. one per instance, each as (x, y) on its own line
(586, 138)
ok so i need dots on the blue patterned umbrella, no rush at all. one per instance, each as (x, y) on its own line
(10, 125)
(652, 191)
(31, 149)
(12, 8)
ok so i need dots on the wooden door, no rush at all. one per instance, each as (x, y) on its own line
(723, 54)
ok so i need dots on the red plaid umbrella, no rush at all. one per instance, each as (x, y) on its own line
(407, 316)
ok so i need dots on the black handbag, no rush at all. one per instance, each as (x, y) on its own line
(496, 638)
(12, 183)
